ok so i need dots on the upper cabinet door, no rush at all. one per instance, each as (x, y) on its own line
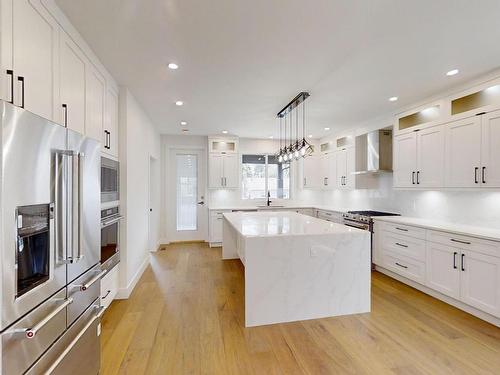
(111, 123)
(231, 170)
(463, 153)
(430, 157)
(480, 281)
(490, 150)
(350, 168)
(215, 171)
(95, 94)
(324, 171)
(35, 50)
(341, 168)
(72, 65)
(405, 160)
(310, 173)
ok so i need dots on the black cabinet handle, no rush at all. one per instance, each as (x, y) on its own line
(455, 260)
(413, 178)
(400, 244)
(418, 174)
(459, 241)
(109, 140)
(402, 229)
(400, 265)
(21, 79)
(10, 72)
(463, 265)
(475, 174)
(484, 175)
(65, 109)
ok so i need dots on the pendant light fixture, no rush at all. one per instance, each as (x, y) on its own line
(292, 148)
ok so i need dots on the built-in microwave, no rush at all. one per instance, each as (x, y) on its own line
(109, 180)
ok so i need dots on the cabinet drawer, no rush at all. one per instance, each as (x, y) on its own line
(410, 268)
(464, 242)
(330, 216)
(109, 287)
(405, 230)
(404, 245)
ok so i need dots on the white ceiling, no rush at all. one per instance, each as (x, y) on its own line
(241, 61)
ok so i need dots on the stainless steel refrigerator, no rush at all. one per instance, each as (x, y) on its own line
(50, 247)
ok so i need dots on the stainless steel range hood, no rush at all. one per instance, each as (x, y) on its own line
(374, 152)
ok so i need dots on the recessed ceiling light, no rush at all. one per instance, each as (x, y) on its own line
(310, 135)
(179, 102)
(393, 98)
(224, 132)
(327, 129)
(183, 123)
(173, 66)
(452, 72)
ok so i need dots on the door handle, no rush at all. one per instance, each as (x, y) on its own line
(475, 174)
(10, 72)
(21, 79)
(31, 332)
(484, 175)
(92, 281)
(201, 203)
(65, 114)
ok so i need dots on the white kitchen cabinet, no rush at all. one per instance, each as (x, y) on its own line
(226, 145)
(34, 58)
(223, 171)
(419, 158)
(311, 175)
(490, 149)
(95, 96)
(430, 157)
(72, 65)
(109, 286)
(345, 167)
(463, 153)
(480, 281)
(443, 272)
(110, 133)
(328, 170)
(215, 227)
(405, 160)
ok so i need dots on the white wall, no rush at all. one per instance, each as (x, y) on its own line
(139, 140)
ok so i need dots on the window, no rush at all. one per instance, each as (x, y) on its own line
(187, 191)
(263, 173)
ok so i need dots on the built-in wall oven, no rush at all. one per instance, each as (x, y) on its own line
(110, 237)
(110, 180)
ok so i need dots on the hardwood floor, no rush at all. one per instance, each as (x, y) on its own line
(186, 316)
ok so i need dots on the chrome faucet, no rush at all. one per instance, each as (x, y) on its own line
(268, 198)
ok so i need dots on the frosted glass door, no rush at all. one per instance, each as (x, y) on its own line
(187, 191)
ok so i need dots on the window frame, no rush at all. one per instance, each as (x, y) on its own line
(266, 183)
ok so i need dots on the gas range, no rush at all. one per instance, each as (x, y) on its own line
(363, 219)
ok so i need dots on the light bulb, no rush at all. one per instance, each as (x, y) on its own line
(290, 155)
(296, 154)
(280, 158)
(303, 150)
(285, 157)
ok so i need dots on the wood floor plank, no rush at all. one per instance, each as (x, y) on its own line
(187, 315)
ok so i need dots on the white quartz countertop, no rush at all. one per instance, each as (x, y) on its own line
(277, 207)
(467, 230)
(265, 224)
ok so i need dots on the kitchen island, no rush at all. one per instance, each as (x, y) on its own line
(298, 267)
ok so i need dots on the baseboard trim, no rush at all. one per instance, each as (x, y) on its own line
(124, 293)
(433, 293)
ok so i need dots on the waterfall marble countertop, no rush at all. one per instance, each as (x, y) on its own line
(298, 267)
(265, 224)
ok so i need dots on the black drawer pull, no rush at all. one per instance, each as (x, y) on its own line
(455, 260)
(400, 244)
(404, 230)
(107, 294)
(463, 265)
(400, 265)
(464, 242)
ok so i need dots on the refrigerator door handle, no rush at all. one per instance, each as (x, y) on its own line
(76, 207)
(60, 200)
